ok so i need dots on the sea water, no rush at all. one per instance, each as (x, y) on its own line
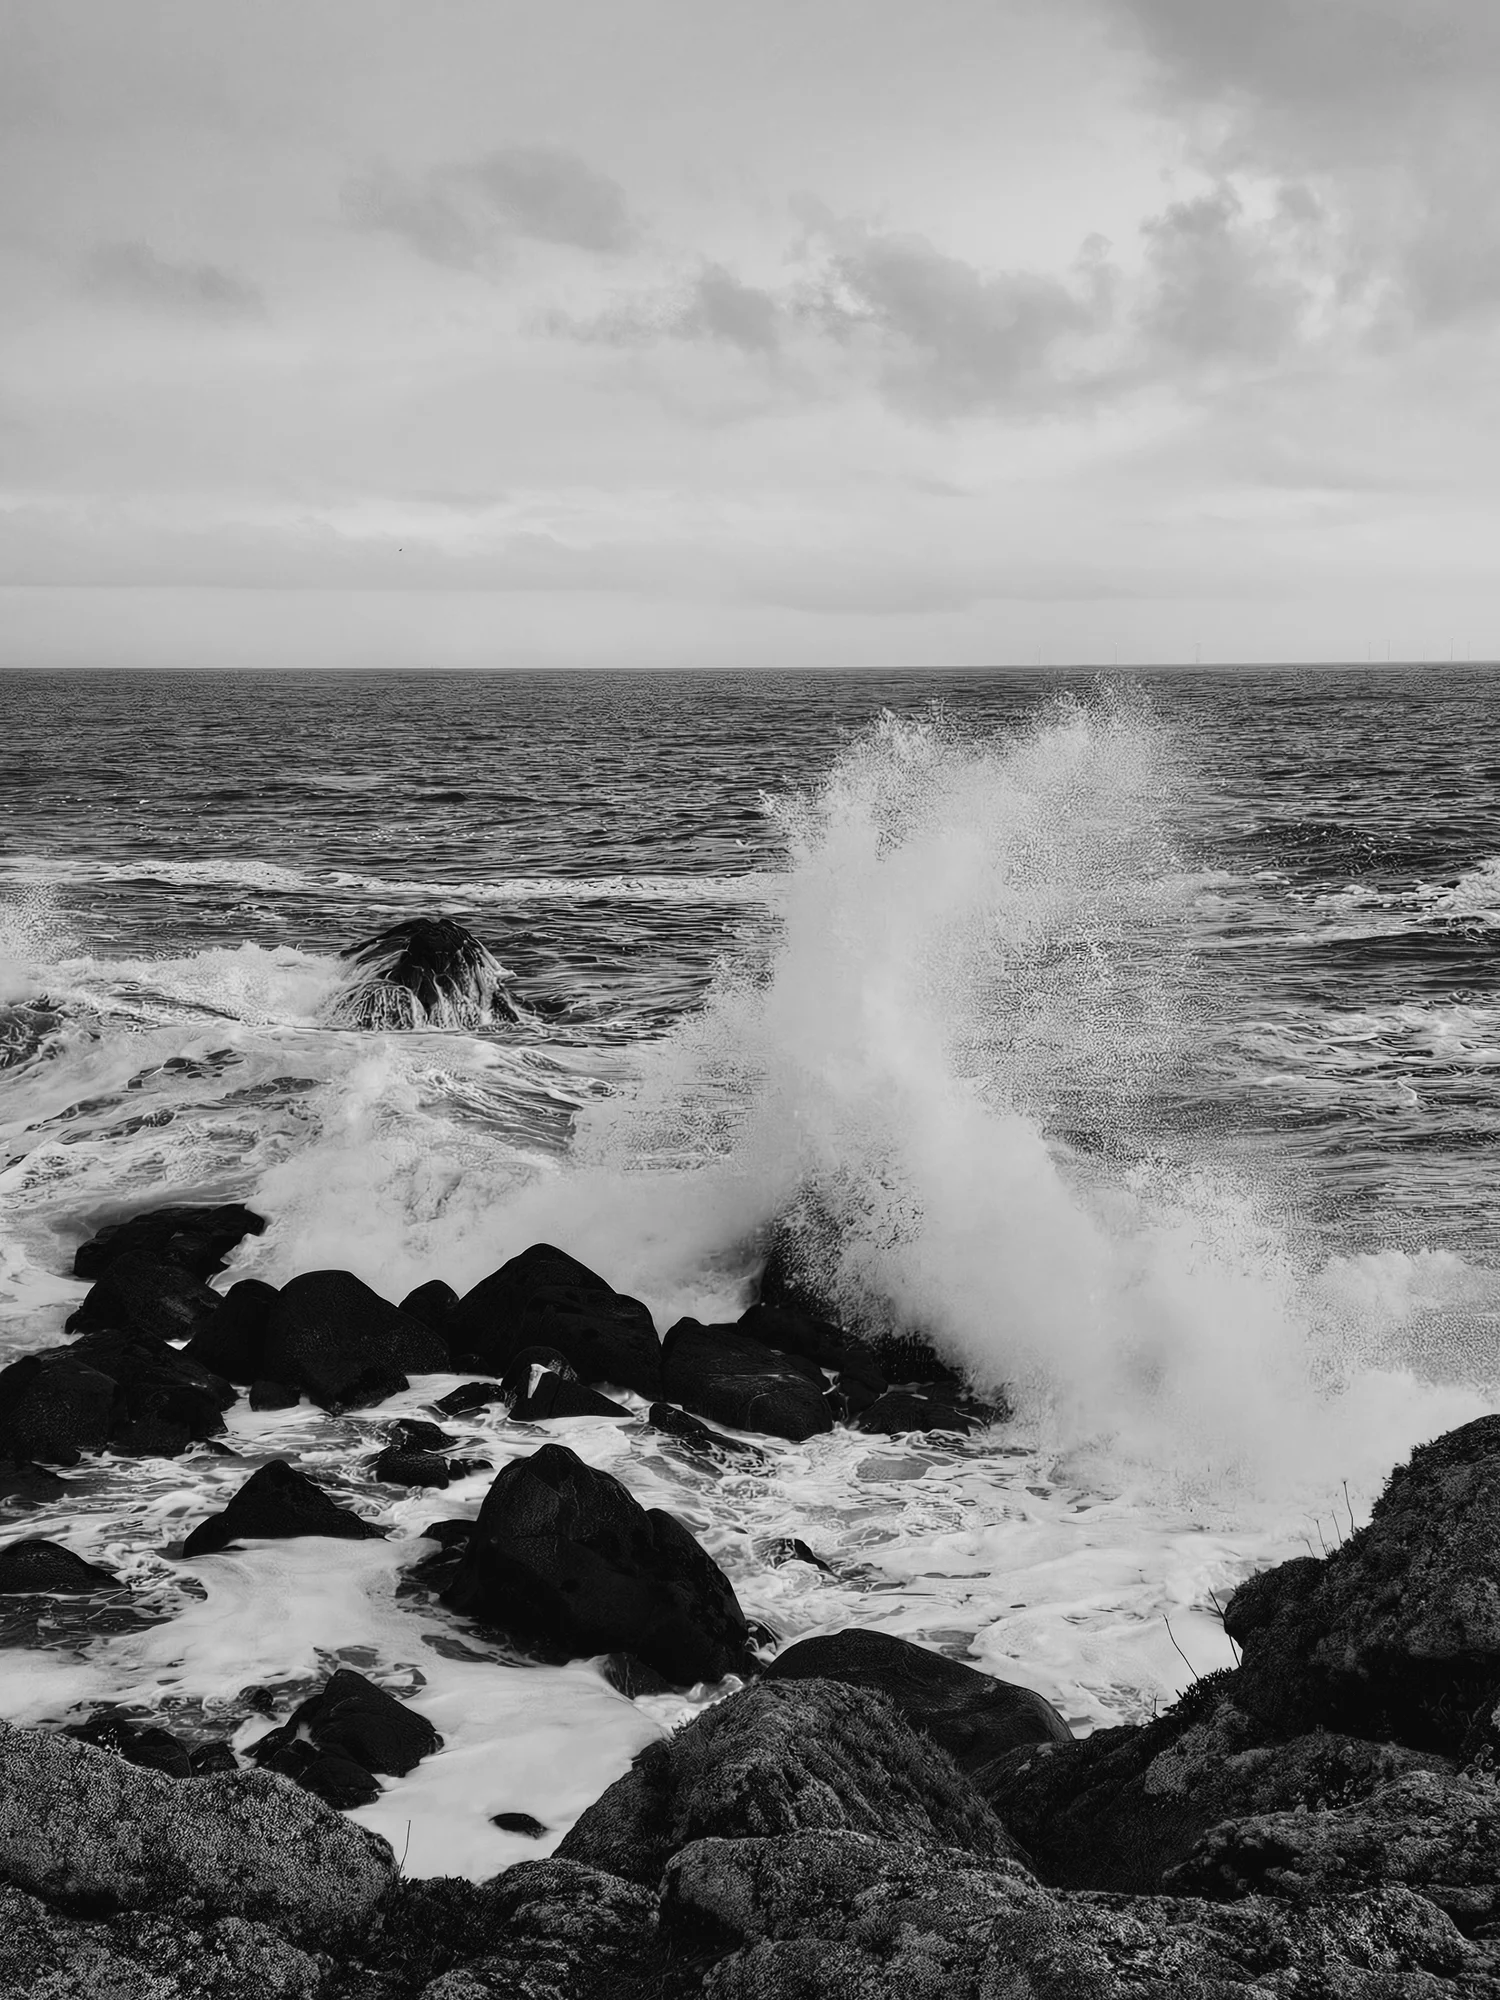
(1136, 1042)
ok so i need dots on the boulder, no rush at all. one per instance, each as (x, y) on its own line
(1397, 1633)
(699, 1438)
(973, 1716)
(430, 1303)
(277, 1503)
(782, 1758)
(169, 1401)
(902, 1410)
(55, 1406)
(469, 1396)
(544, 1930)
(717, 1372)
(47, 1956)
(355, 1717)
(141, 1294)
(566, 1563)
(80, 1825)
(268, 1395)
(424, 971)
(556, 1396)
(25, 1484)
(1119, 1809)
(232, 1344)
(546, 1298)
(199, 1240)
(344, 1344)
(394, 1467)
(827, 1913)
(32, 1565)
(152, 1748)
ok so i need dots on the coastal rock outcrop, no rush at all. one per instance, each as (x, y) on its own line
(545, 1298)
(334, 1742)
(568, 1564)
(783, 1758)
(343, 1344)
(232, 1344)
(718, 1372)
(424, 972)
(199, 1239)
(141, 1294)
(275, 1503)
(108, 1390)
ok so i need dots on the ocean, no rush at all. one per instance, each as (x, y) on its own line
(1144, 1032)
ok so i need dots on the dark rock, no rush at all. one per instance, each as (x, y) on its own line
(973, 1716)
(430, 1303)
(631, 1677)
(719, 1373)
(568, 1564)
(144, 1295)
(554, 1931)
(266, 1395)
(557, 1396)
(449, 1534)
(199, 1240)
(410, 1468)
(82, 1825)
(546, 1298)
(232, 1343)
(367, 1391)
(1120, 1808)
(780, 1758)
(527, 1365)
(23, 1484)
(55, 1407)
(900, 1410)
(339, 1341)
(331, 1775)
(170, 1402)
(469, 1396)
(791, 1331)
(825, 1915)
(45, 1955)
(1430, 1831)
(518, 1822)
(1397, 1633)
(425, 971)
(33, 1565)
(276, 1502)
(412, 1434)
(351, 1720)
(154, 1749)
(212, 1760)
(698, 1437)
(907, 1357)
(789, 1549)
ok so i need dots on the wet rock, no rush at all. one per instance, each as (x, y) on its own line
(169, 1401)
(825, 1913)
(413, 1468)
(698, 1437)
(277, 1502)
(557, 1931)
(518, 1822)
(469, 1396)
(33, 1565)
(341, 1342)
(426, 969)
(780, 1758)
(788, 1548)
(79, 1824)
(1397, 1634)
(197, 1239)
(48, 1956)
(631, 1677)
(265, 1395)
(412, 1434)
(154, 1749)
(902, 1410)
(340, 1780)
(449, 1534)
(973, 1716)
(552, 1395)
(430, 1303)
(717, 1372)
(232, 1344)
(568, 1564)
(144, 1295)
(212, 1760)
(25, 1484)
(1120, 1808)
(54, 1406)
(1434, 1832)
(546, 1298)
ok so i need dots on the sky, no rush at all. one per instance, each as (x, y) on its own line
(801, 333)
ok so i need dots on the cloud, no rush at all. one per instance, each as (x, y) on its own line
(135, 274)
(1221, 288)
(467, 215)
(712, 306)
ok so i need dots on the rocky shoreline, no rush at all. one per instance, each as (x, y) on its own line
(862, 1819)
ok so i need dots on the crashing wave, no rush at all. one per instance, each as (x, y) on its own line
(429, 972)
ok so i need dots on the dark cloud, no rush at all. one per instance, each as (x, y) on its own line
(466, 215)
(137, 275)
(713, 306)
(1221, 288)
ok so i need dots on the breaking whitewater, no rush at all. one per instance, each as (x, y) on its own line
(959, 1063)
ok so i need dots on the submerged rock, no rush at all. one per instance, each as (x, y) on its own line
(33, 1565)
(199, 1239)
(425, 971)
(568, 1564)
(79, 1824)
(544, 1298)
(971, 1715)
(277, 1502)
(717, 1372)
(783, 1758)
(344, 1344)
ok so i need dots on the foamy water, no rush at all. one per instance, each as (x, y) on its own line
(967, 1020)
